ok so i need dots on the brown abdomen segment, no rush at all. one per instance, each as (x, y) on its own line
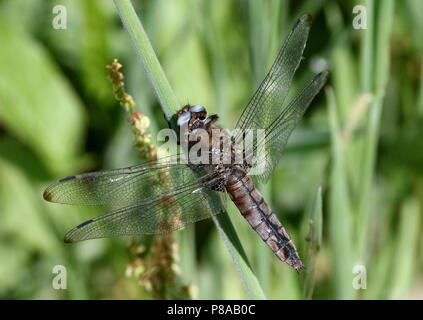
(261, 218)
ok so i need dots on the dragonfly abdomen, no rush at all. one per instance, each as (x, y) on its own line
(262, 219)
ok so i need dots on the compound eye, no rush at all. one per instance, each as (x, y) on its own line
(197, 108)
(184, 118)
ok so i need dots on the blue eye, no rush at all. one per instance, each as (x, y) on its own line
(184, 118)
(197, 108)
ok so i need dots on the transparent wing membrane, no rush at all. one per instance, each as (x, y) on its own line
(160, 196)
(160, 216)
(126, 186)
(266, 103)
(278, 132)
(266, 110)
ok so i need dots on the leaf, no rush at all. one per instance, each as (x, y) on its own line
(37, 104)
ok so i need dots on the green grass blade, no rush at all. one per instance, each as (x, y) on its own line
(340, 214)
(145, 51)
(232, 243)
(367, 49)
(406, 248)
(375, 62)
(315, 241)
(169, 104)
(420, 101)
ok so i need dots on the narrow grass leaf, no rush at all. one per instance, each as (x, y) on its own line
(340, 219)
(315, 241)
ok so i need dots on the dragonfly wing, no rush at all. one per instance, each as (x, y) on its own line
(278, 132)
(266, 103)
(155, 217)
(126, 186)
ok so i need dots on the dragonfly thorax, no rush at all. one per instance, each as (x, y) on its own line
(207, 143)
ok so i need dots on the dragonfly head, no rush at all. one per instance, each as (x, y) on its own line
(191, 115)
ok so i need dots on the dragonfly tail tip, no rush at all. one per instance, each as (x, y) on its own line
(299, 267)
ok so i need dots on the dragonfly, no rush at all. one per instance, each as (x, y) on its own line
(164, 195)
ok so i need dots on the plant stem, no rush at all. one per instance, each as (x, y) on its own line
(152, 67)
(315, 241)
(375, 74)
(340, 218)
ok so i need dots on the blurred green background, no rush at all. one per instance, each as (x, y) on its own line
(361, 141)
